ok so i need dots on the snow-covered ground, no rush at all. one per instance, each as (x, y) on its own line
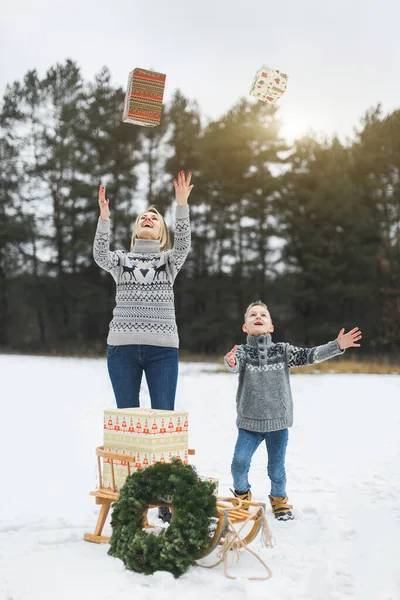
(343, 470)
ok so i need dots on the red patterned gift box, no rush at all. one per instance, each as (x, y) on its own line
(144, 97)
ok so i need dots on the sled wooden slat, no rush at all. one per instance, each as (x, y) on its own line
(102, 518)
(113, 475)
(112, 496)
(238, 514)
(219, 530)
(99, 471)
(97, 539)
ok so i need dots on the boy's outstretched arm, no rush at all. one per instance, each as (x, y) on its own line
(235, 359)
(301, 357)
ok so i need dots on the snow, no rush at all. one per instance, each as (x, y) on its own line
(343, 480)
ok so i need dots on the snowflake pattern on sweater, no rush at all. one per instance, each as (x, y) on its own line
(264, 398)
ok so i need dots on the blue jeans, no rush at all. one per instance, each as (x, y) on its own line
(160, 365)
(247, 443)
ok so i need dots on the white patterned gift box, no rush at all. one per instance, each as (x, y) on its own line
(268, 84)
(211, 480)
(145, 436)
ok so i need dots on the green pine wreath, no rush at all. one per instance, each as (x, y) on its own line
(175, 549)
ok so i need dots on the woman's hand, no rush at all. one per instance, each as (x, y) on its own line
(103, 204)
(230, 357)
(348, 340)
(182, 188)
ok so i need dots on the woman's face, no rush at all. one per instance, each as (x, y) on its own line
(148, 227)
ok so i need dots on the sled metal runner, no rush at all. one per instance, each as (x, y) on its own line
(233, 509)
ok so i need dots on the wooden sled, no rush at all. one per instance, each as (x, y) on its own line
(232, 511)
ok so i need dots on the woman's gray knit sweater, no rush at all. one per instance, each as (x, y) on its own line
(144, 311)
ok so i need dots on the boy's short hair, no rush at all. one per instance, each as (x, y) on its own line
(256, 303)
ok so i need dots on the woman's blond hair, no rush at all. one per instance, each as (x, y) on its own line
(164, 239)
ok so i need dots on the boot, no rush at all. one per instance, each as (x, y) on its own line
(280, 508)
(246, 496)
(164, 514)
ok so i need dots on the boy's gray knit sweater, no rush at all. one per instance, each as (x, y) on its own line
(144, 311)
(264, 399)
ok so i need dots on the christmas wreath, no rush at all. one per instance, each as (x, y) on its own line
(175, 549)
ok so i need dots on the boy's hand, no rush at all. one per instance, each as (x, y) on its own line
(230, 357)
(348, 340)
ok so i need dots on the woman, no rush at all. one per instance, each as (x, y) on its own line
(143, 335)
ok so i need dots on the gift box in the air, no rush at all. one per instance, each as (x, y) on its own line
(144, 98)
(268, 84)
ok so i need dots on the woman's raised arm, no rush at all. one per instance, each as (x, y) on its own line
(102, 255)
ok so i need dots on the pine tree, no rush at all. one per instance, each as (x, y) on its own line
(376, 170)
(236, 153)
(70, 135)
(13, 229)
(318, 214)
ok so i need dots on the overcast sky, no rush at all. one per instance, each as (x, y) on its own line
(342, 56)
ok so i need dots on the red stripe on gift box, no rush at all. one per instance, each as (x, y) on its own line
(149, 75)
(144, 115)
(148, 95)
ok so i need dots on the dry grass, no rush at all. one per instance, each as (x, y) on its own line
(204, 358)
(352, 366)
(336, 365)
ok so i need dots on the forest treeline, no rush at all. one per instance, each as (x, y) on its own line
(312, 229)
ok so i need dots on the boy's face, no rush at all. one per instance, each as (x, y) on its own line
(258, 321)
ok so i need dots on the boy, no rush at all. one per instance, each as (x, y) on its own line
(264, 400)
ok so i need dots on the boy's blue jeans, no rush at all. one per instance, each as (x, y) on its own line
(247, 443)
(126, 365)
